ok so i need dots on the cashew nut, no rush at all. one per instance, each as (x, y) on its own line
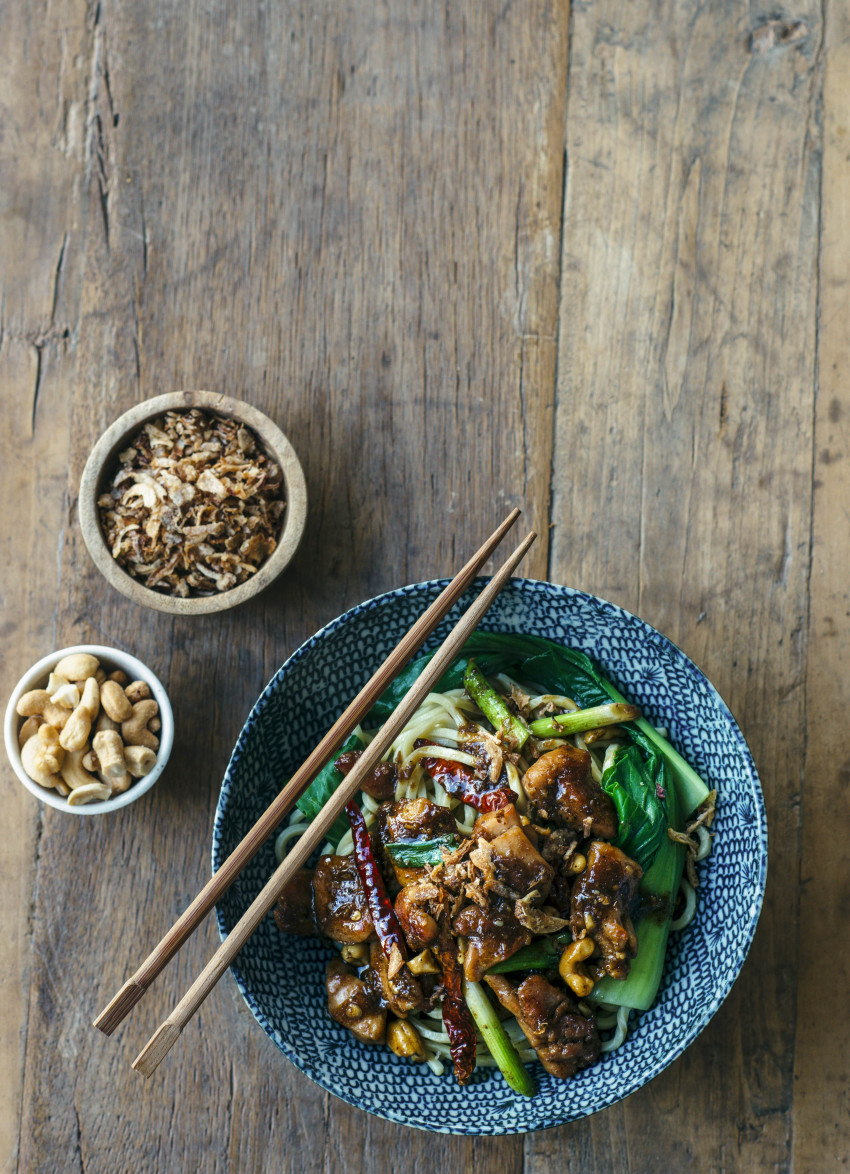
(121, 784)
(68, 696)
(30, 759)
(32, 703)
(104, 722)
(80, 699)
(76, 730)
(571, 969)
(135, 731)
(110, 754)
(424, 963)
(90, 700)
(77, 666)
(405, 1040)
(90, 761)
(56, 715)
(72, 768)
(28, 729)
(114, 701)
(49, 753)
(140, 760)
(90, 793)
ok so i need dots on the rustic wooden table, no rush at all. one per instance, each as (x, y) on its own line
(591, 262)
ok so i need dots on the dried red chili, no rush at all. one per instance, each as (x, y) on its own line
(457, 1020)
(380, 906)
(461, 781)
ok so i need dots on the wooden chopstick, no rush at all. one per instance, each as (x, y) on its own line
(134, 988)
(169, 1031)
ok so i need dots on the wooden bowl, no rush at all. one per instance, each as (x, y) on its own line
(103, 459)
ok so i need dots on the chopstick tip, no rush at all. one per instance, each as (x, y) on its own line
(119, 1007)
(156, 1049)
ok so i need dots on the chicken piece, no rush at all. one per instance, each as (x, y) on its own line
(353, 1004)
(559, 850)
(293, 912)
(401, 993)
(410, 819)
(339, 902)
(519, 865)
(417, 908)
(565, 1041)
(491, 934)
(561, 788)
(380, 782)
(603, 899)
(493, 823)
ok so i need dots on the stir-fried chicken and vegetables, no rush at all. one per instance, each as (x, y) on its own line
(504, 889)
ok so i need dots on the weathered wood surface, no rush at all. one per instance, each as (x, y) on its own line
(460, 276)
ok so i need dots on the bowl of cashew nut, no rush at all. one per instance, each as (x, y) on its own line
(88, 729)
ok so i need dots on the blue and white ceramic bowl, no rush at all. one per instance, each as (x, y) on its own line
(282, 977)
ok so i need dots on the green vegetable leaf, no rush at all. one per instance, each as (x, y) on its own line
(637, 784)
(542, 954)
(323, 786)
(417, 853)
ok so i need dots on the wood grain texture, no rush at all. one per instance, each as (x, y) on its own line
(822, 1102)
(686, 400)
(302, 206)
(466, 256)
(42, 99)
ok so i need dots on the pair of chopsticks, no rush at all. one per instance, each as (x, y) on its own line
(168, 1032)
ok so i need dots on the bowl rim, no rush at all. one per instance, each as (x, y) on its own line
(128, 663)
(731, 972)
(110, 443)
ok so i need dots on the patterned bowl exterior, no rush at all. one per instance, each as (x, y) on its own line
(281, 977)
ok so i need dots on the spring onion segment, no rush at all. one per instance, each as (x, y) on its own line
(496, 1038)
(581, 720)
(493, 706)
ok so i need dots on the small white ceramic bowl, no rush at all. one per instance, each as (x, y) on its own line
(111, 659)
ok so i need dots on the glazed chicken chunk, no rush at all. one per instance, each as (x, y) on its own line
(342, 912)
(354, 1004)
(380, 782)
(418, 907)
(603, 900)
(410, 819)
(562, 790)
(399, 991)
(293, 912)
(328, 902)
(565, 1041)
(492, 935)
(518, 864)
(493, 823)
